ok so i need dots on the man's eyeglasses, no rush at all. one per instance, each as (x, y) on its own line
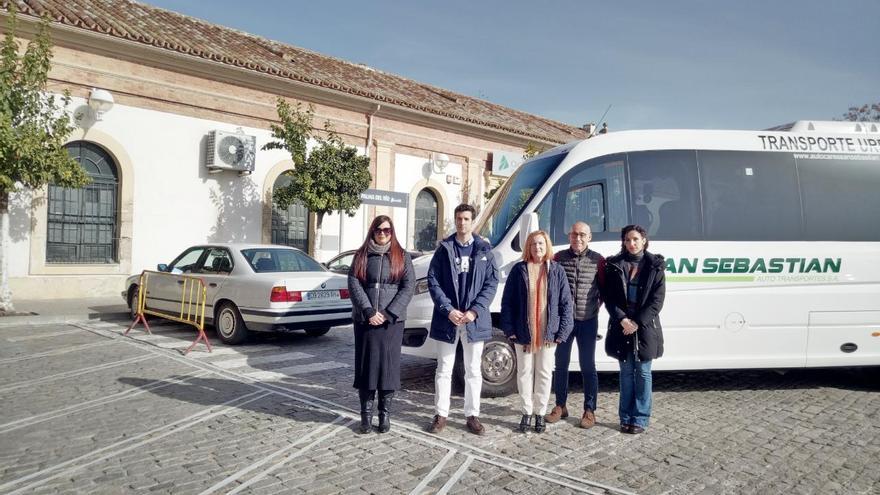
(383, 231)
(582, 235)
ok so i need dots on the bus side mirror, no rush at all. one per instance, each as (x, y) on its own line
(528, 223)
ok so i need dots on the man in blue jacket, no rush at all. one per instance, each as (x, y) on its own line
(462, 280)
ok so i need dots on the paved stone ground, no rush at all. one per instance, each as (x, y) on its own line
(86, 410)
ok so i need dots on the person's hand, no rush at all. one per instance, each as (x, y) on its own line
(469, 316)
(456, 317)
(526, 348)
(377, 319)
(629, 326)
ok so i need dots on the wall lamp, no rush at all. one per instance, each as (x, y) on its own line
(439, 161)
(100, 101)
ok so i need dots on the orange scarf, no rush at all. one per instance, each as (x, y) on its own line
(537, 303)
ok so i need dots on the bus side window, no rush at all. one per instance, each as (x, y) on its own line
(586, 204)
(593, 192)
(750, 196)
(665, 198)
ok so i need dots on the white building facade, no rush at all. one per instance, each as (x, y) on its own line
(152, 194)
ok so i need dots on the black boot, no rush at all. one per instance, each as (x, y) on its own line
(385, 397)
(540, 426)
(366, 397)
(525, 423)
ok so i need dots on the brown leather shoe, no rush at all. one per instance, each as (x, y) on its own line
(588, 420)
(558, 412)
(437, 424)
(474, 425)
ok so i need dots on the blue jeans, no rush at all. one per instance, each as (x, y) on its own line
(585, 333)
(635, 391)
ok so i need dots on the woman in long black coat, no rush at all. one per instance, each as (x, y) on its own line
(381, 283)
(635, 288)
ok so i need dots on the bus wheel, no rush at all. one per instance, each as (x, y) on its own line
(497, 365)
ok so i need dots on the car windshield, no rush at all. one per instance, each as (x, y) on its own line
(514, 195)
(264, 260)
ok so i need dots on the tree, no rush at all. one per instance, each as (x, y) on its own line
(329, 178)
(34, 125)
(864, 113)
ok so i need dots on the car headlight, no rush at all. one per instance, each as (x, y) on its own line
(421, 286)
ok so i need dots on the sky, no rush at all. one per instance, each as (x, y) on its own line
(741, 64)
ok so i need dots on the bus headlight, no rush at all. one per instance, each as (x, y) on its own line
(421, 286)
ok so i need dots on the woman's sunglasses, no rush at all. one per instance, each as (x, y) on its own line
(383, 231)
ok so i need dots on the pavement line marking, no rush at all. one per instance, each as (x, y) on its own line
(171, 427)
(73, 373)
(238, 474)
(223, 351)
(456, 475)
(55, 352)
(262, 474)
(402, 429)
(42, 335)
(430, 476)
(100, 401)
(232, 363)
(555, 480)
(294, 370)
(512, 464)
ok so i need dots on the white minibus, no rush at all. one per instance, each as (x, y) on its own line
(771, 240)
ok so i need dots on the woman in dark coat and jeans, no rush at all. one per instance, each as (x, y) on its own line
(381, 283)
(635, 287)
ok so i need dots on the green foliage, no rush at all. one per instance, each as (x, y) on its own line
(531, 150)
(294, 131)
(34, 125)
(491, 192)
(330, 178)
(864, 113)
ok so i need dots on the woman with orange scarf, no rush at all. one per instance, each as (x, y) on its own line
(536, 314)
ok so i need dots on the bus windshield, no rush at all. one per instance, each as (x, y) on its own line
(514, 195)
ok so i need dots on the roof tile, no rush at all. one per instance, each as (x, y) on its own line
(171, 31)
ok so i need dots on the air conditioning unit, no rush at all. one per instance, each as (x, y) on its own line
(230, 151)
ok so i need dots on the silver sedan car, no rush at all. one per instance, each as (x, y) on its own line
(251, 287)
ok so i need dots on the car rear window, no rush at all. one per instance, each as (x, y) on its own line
(264, 260)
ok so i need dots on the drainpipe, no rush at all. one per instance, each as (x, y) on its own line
(376, 109)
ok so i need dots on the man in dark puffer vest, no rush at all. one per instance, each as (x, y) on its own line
(585, 270)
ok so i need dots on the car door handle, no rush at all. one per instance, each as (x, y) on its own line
(212, 284)
(180, 282)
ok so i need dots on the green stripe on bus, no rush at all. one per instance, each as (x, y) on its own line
(715, 278)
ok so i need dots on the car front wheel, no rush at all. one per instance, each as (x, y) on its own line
(229, 324)
(133, 302)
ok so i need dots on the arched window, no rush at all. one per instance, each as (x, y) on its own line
(82, 223)
(426, 220)
(290, 227)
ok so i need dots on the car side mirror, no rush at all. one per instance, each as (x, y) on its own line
(162, 267)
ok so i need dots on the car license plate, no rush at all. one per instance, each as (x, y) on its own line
(321, 295)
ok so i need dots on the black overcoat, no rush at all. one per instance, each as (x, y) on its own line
(646, 314)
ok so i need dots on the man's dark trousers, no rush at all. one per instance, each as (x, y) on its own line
(585, 333)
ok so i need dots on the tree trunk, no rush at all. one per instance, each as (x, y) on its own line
(5, 294)
(316, 241)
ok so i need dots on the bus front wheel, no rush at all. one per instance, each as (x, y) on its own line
(497, 366)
